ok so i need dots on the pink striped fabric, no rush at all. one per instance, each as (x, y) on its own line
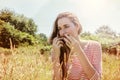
(93, 52)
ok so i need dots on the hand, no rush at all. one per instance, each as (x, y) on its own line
(57, 43)
(72, 43)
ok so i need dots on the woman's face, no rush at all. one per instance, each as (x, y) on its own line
(66, 26)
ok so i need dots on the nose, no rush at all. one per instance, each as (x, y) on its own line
(62, 33)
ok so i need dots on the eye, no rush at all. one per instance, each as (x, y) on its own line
(59, 28)
(66, 26)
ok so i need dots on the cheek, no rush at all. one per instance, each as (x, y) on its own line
(71, 32)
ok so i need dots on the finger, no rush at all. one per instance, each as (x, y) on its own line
(68, 45)
(54, 40)
(59, 43)
(71, 37)
(68, 37)
(67, 41)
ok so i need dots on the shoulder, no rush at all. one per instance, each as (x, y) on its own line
(95, 47)
(94, 43)
(91, 43)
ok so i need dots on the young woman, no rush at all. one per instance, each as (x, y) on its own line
(73, 58)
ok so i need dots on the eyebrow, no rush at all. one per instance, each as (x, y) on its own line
(63, 25)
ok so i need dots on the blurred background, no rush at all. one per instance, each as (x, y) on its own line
(26, 25)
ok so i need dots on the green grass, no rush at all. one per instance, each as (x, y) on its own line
(26, 63)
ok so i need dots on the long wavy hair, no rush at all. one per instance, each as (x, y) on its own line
(65, 50)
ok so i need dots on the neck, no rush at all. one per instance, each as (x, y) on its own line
(81, 42)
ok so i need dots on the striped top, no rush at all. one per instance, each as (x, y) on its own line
(93, 52)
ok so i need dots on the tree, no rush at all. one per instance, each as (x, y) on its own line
(17, 28)
(105, 31)
(24, 24)
(85, 34)
(17, 37)
(41, 37)
(5, 15)
(19, 22)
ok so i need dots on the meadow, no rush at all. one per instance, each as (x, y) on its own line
(27, 63)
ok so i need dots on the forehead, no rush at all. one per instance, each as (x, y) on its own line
(63, 21)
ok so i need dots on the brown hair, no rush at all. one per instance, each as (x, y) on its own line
(65, 50)
(69, 15)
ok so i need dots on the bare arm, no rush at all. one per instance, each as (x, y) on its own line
(90, 70)
(56, 67)
(55, 58)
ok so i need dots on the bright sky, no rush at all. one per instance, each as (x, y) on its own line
(91, 13)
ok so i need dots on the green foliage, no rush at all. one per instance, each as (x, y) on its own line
(106, 42)
(24, 24)
(41, 38)
(17, 37)
(89, 36)
(85, 34)
(5, 15)
(19, 29)
(19, 22)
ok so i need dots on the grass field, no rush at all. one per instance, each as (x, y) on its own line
(111, 67)
(28, 64)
